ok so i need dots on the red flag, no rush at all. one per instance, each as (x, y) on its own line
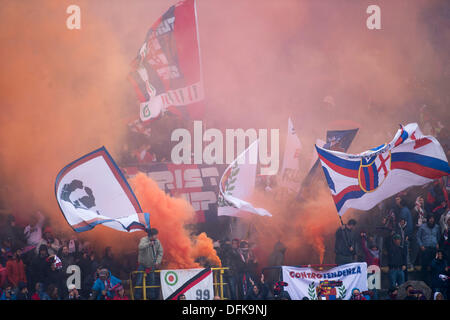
(166, 73)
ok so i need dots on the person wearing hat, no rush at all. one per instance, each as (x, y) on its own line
(149, 259)
(396, 262)
(103, 286)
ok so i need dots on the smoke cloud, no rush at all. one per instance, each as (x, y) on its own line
(170, 216)
(64, 93)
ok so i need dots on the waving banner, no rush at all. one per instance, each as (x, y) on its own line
(92, 190)
(338, 140)
(195, 284)
(334, 284)
(237, 184)
(167, 71)
(362, 181)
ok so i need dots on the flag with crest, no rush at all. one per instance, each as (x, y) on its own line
(363, 180)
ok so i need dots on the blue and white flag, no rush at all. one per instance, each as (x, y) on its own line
(338, 140)
(363, 180)
(92, 190)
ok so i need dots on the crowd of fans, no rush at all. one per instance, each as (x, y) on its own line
(33, 265)
(411, 237)
(407, 236)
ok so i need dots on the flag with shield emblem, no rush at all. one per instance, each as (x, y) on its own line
(363, 180)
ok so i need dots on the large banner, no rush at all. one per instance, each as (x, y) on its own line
(167, 71)
(197, 183)
(92, 190)
(363, 180)
(195, 284)
(333, 284)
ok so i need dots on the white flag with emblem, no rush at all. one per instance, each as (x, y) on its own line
(237, 184)
(194, 284)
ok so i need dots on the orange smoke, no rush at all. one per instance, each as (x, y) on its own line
(306, 228)
(62, 93)
(170, 216)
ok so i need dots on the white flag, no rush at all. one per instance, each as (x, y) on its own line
(237, 184)
(290, 171)
(333, 284)
(194, 284)
(92, 190)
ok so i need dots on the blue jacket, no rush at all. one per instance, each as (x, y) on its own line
(428, 237)
(405, 213)
(3, 297)
(99, 286)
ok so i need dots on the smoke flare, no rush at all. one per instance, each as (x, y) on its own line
(170, 216)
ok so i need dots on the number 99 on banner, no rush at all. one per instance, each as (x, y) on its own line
(202, 294)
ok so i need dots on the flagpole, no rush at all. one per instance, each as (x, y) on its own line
(198, 42)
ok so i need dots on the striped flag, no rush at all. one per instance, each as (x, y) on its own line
(338, 140)
(195, 284)
(362, 181)
(92, 190)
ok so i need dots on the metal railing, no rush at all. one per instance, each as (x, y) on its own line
(218, 283)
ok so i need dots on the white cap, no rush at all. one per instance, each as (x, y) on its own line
(71, 287)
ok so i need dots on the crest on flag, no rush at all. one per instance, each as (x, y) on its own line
(195, 284)
(237, 184)
(373, 171)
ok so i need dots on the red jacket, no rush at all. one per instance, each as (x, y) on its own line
(15, 272)
(370, 258)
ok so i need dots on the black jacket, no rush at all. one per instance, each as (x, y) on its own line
(262, 295)
(396, 256)
(344, 240)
